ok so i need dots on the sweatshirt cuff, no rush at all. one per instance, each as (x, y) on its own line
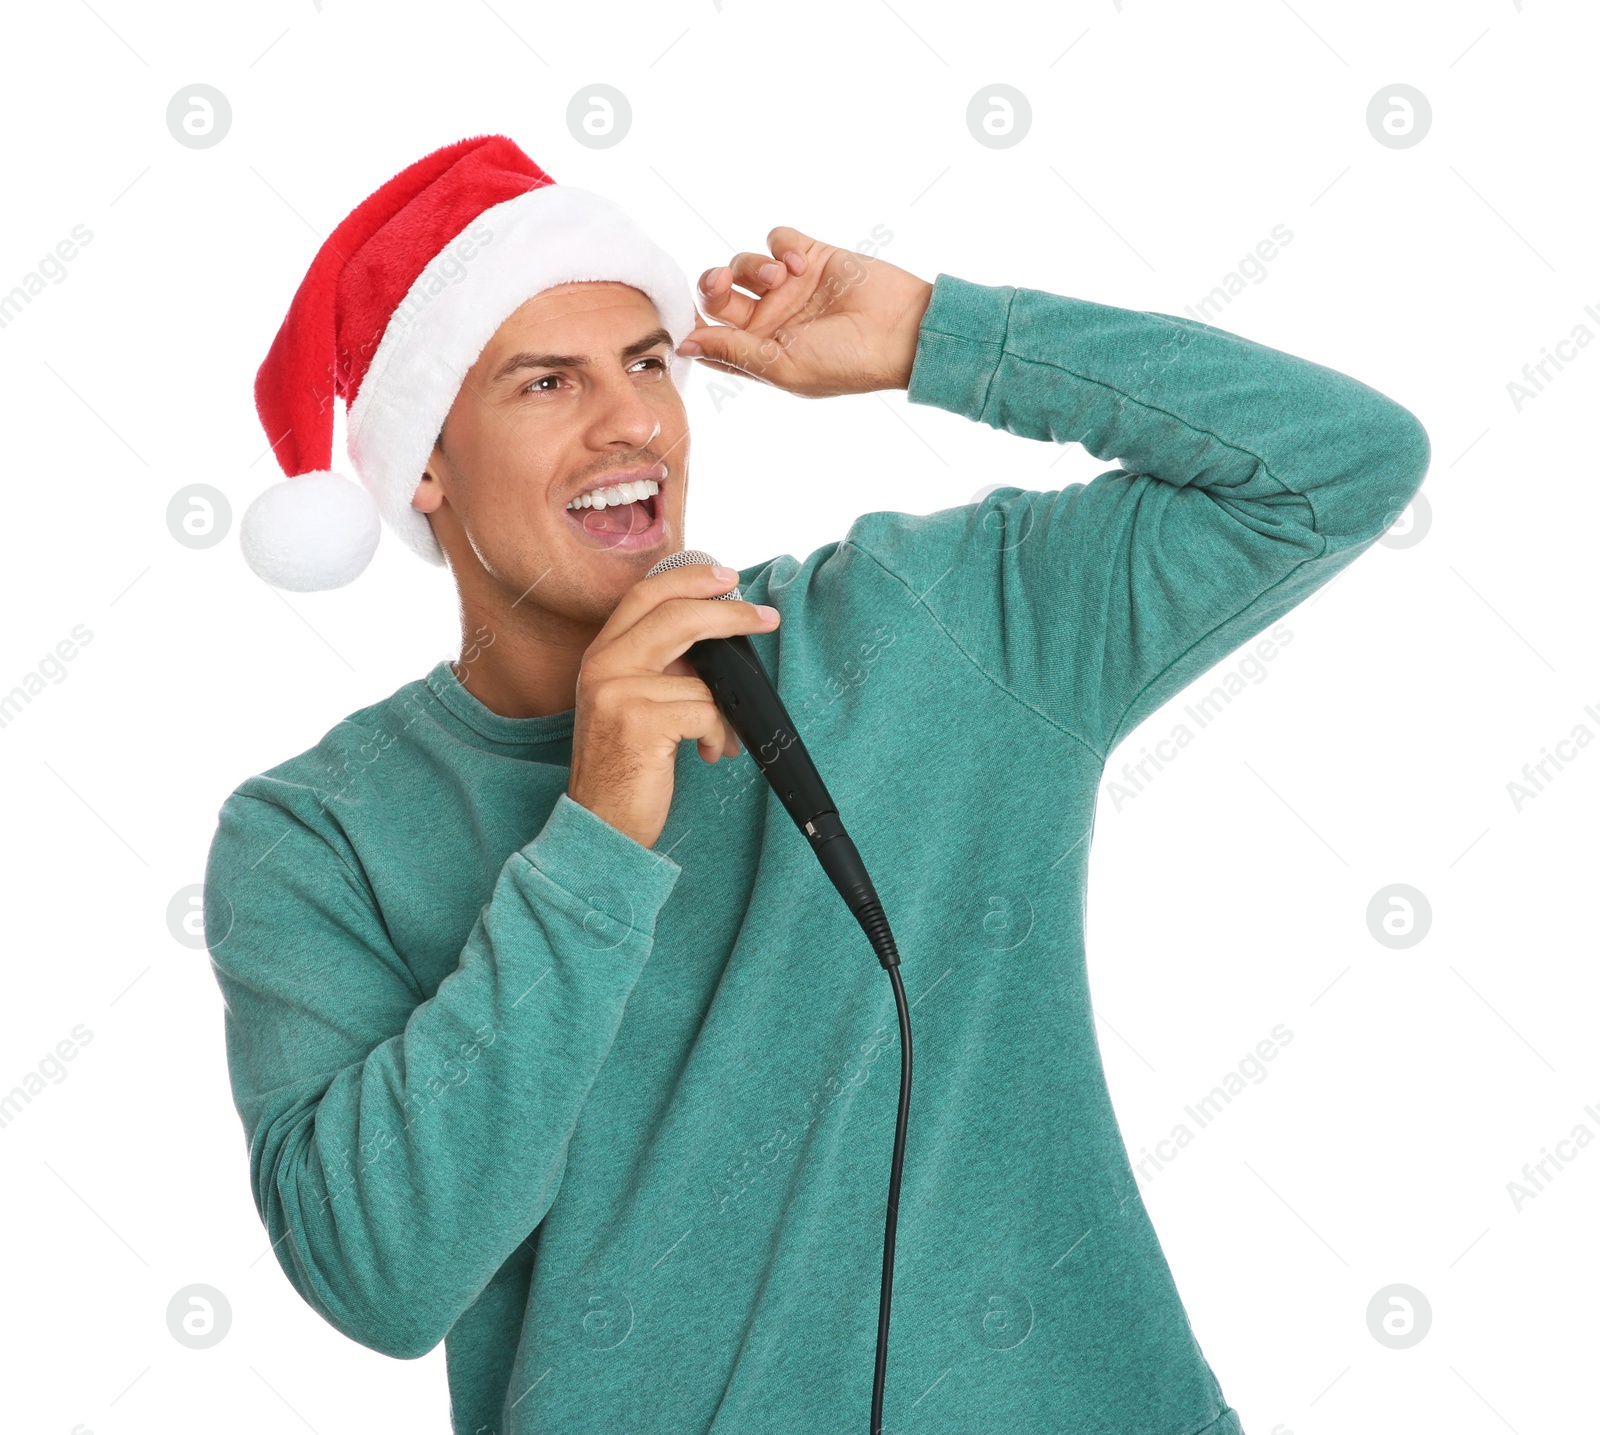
(959, 344)
(599, 873)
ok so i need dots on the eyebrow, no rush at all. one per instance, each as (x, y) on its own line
(577, 361)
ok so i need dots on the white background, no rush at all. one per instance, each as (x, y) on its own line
(1229, 896)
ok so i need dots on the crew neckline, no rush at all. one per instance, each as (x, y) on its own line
(446, 686)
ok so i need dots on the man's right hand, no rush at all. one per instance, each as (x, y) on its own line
(638, 697)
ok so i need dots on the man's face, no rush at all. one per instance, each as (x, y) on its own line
(574, 391)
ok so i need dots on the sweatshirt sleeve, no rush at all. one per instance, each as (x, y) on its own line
(401, 1149)
(1248, 479)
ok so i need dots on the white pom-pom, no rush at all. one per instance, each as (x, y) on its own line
(309, 533)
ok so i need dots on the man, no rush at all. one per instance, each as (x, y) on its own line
(554, 1043)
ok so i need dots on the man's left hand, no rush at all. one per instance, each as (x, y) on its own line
(823, 320)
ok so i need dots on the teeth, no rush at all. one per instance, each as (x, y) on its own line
(616, 494)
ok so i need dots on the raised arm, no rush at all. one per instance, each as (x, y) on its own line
(1248, 479)
(401, 1149)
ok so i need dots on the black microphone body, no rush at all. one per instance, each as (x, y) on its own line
(743, 692)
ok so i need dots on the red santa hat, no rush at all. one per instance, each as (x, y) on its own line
(395, 308)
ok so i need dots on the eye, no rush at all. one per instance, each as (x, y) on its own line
(532, 388)
(654, 359)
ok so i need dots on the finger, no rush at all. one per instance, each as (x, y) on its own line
(715, 746)
(759, 273)
(722, 301)
(688, 580)
(711, 750)
(791, 246)
(628, 693)
(682, 667)
(733, 350)
(696, 718)
(669, 629)
(678, 708)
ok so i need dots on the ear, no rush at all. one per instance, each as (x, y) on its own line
(429, 494)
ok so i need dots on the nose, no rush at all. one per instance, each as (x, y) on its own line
(623, 413)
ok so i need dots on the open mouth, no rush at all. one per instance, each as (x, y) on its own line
(625, 525)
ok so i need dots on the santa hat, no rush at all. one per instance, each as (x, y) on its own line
(395, 308)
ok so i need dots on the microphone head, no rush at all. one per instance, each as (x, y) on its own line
(691, 555)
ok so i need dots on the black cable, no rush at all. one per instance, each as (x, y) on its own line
(876, 926)
(894, 1200)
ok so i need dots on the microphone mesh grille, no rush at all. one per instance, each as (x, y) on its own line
(691, 555)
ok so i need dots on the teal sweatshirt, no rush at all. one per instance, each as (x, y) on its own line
(615, 1122)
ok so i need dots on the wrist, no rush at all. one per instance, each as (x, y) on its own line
(908, 327)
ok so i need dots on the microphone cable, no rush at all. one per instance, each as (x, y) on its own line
(891, 1218)
(744, 695)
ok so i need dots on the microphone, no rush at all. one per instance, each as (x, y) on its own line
(746, 698)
